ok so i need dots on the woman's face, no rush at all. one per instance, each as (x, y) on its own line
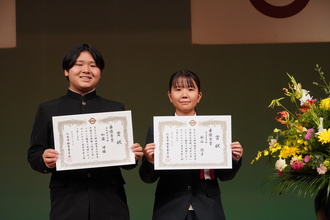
(184, 98)
(84, 75)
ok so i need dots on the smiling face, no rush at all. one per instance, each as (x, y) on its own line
(184, 97)
(84, 75)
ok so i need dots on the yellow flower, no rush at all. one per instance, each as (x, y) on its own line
(276, 130)
(300, 141)
(299, 157)
(300, 128)
(325, 104)
(288, 151)
(259, 154)
(326, 163)
(324, 136)
(274, 148)
(307, 147)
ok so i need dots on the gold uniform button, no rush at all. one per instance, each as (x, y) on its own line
(84, 103)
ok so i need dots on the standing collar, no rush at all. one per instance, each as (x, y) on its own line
(77, 96)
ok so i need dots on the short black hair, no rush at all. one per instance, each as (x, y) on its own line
(71, 58)
(184, 76)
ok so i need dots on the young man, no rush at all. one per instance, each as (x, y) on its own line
(84, 194)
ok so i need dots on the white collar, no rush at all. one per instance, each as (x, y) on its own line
(190, 115)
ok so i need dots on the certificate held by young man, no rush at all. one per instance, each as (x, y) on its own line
(93, 140)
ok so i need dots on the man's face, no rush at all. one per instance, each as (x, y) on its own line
(84, 75)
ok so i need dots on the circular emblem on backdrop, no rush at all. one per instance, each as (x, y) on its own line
(192, 122)
(279, 11)
(92, 121)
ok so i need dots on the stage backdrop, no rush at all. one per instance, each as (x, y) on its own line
(259, 21)
(143, 42)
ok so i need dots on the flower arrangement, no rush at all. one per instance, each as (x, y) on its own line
(300, 149)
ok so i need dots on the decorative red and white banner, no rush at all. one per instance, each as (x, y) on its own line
(260, 21)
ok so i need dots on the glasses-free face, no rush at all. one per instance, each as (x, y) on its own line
(84, 75)
(184, 98)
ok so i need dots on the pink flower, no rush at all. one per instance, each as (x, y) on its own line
(309, 133)
(296, 164)
(307, 158)
(322, 169)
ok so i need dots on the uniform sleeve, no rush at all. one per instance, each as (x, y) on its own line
(147, 171)
(39, 141)
(229, 174)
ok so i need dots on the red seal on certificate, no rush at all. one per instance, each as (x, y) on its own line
(69, 159)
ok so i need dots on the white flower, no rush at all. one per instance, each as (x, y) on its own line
(305, 96)
(280, 164)
(272, 142)
(320, 127)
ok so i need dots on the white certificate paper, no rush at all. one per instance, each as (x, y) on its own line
(93, 140)
(192, 142)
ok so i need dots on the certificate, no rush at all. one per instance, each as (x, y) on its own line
(93, 140)
(192, 142)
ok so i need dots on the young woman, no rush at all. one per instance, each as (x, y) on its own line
(186, 194)
(83, 194)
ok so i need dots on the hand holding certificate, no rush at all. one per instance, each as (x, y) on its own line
(93, 140)
(192, 142)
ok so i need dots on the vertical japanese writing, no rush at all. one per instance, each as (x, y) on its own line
(210, 136)
(195, 145)
(86, 142)
(186, 141)
(217, 140)
(96, 149)
(82, 143)
(68, 145)
(186, 144)
(190, 141)
(167, 145)
(91, 140)
(87, 137)
(111, 133)
(181, 144)
(119, 140)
